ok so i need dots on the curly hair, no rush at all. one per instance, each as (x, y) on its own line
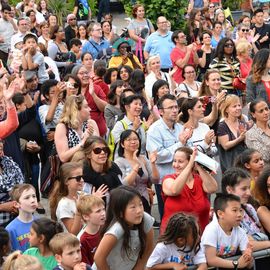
(220, 49)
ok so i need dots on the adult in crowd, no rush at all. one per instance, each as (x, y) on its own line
(123, 55)
(95, 97)
(160, 44)
(194, 26)
(107, 32)
(202, 137)
(71, 29)
(95, 44)
(205, 54)
(159, 89)
(42, 7)
(74, 127)
(165, 136)
(182, 54)
(113, 112)
(137, 170)
(231, 132)
(258, 137)
(87, 61)
(155, 73)
(82, 34)
(7, 29)
(23, 27)
(103, 8)
(82, 11)
(140, 27)
(216, 34)
(10, 175)
(261, 28)
(189, 87)
(34, 28)
(187, 189)
(52, 21)
(44, 38)
(124, 73)
(258, 83)
(73, 85)
(226, 62)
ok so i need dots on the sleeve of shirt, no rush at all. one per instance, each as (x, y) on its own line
(148, 222)
(200, 256)
(121, 163)
(116, 230)
(158, 255)
(117, 130)
(251, 90)
(10, 124)
(214, 64)
(210, 236)
(148, 43)
(39, 59)
(63, 211)
(85, 251)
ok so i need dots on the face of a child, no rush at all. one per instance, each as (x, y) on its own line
(256, 163)
(30, 43)
(28, 201)
(97, 216)
(34, 239)
(19, 45)
(72, 183)
(134, 212)
(242, 190)
(70, 257)
(232, 215)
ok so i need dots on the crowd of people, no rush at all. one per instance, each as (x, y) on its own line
(101, 122)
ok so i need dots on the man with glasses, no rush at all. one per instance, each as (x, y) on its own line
(182, 54)
(71, 29)
(95, 44)
(7, 29)
(165, 136)
(160, 43)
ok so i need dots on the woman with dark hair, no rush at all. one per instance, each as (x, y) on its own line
(262, 195)
(73, 85)
(44, 38)
(194, 26)
(258, 83)
(124, 73)
(110, 75)
(216, 34)
(113, 112)
(87, 61)
(31, 14)
(42, 7)
(58, 51)
(137, 170)
(52, 21)
(107, 32)
(258, 137)
(99, 72)
(192, 113)
(225, 60)
(82, 34)
(159, 89)
(187, 189)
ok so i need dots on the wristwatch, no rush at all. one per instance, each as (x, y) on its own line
(235, 264)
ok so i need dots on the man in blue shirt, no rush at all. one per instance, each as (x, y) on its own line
(95, 44)
(160, 43)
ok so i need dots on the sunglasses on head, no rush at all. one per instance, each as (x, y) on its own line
(98, 150)
(77, 178)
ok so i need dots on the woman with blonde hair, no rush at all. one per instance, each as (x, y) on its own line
(231, 132)
(154, 74)
(258, 83)
(18, 261)
(243, 50)
(74, 127)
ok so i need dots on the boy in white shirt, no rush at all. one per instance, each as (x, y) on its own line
(223, 236)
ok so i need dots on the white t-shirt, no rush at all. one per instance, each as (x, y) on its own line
(117, 259)
(226, 245)
(183, 87)
(170, 253)
(66, 208)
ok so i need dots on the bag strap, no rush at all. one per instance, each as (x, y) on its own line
(188, 92)
(139, 50)
(94, 46)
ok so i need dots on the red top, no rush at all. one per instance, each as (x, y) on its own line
(267, 88)
(102, 85)
(177, 54)
(192, 201)
(95, 113)
(10, 124)
(245, 68)
(89, 244)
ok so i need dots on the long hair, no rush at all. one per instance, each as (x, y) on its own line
(259, 64)
(244, 158)
(137, 81)
(60, 189)
(204, 89)
(158, 84)
(124, 136)
(119, 199)
(261, 193)
(112, 98)
(181, 225)
(220, 49)
(70, 115)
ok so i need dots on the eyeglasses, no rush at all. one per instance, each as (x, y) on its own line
(171, 108)
(190, 72)
(245, 30)
(132, 139)
(78, 178)
(211, 6)
(98, 150)
(228, 45)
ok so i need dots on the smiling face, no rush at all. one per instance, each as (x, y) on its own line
(163, 90)
(106, 27)
(131, 143)
(155, 64)
(83, 75)
(234, 109)
(82, 32)
(134, 108)
(140, 12)
(180, 161)
(242, 190)
(213, 82)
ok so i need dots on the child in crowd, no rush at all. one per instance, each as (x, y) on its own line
(17, 261)
(179, 245)
(252, 161)
(19, 229)
(92, 210)
(128, 233)
(4, 245)
(16, 56)
(236, 181)
(42, 231)
(66, 248)
(223, 236)
(33, 59)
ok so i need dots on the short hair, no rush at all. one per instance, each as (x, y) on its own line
(221, 201)
(18, 98)
(229, 100)
(86, 203)
(175, 35)
(129, 99)
(243, 46)
(18, 189)
(74, 41)
(6, 7)
(62, 240)
(258, 10)
(46, 86)
(29, 36)
(162, 99)
(22, 19)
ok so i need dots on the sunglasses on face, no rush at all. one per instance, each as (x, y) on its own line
(98, 150)
(245, 30)
(228, 45)
(77, 178)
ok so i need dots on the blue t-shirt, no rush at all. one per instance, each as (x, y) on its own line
(19, 234)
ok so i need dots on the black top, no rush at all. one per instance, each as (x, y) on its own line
(263, 31)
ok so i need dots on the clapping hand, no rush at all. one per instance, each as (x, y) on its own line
(101, 192)
(153, 156)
